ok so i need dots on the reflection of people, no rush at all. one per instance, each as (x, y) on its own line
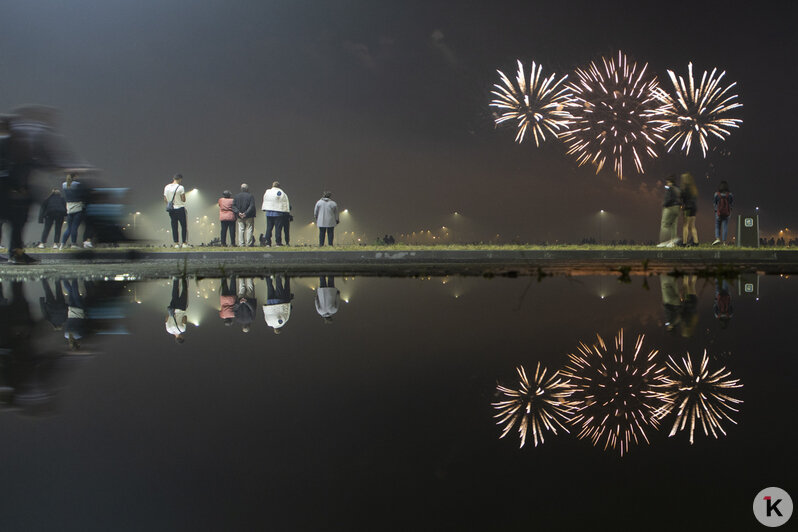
(688, 314)
(326, 215)
(723, 308)
(277, 309)
(670, 214)
(670, 300)
(53, 305)
(226, 218)
(277, 209)
(227, 301)
(246, 304)
(51, 214)
(689, 208)
(722, 202)
(177, 319)
(175, 194)
(327, 298)
(75, 325)
(244, 210)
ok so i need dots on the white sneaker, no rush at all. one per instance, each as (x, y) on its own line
(41, 245)
(56, 246)
(88, 244)
(716, 242)
(60, 246)
(177, 245)
(186, 245)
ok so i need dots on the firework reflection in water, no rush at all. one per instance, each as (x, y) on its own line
(616, 115)
(614, 392)
(536, 103)
(542, 404)
(701, 395)
(695, 112)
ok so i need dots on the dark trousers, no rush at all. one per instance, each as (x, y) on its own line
(327, 282)
(229, 227)
(52, 221)
(179, 297)
(286, 224)
(17, 216)
(279, 291)
(178, 215)
(330, 233)
(228, 289)
(73, 222)
(274, 223)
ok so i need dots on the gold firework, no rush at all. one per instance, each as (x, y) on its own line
(615, 111)
(614, 392)
(541, 405)
(535, 103)
(698, 395)
(695, 113)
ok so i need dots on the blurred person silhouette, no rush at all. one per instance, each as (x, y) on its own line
(671, 301)
(227, 300)
(28, 143)
(688, 312)
(277, 309)
(75, 195)
(689, 199)
(227, 219)
(174, 195)
(177, 319)
(722, 202)
(670, 214)
(75, 326)
(325, 213)
(327, 298)
(244, 211)
(52, 212)
(278, 211)
(53, 305)
(723, 308)
(247, 304)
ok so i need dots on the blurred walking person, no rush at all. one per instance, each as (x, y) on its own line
(227, 218)
(722, 202)
(51, 214)
(244, 211)
(689, 193)
(174, 195)
(277, 209)
(670, 214)
(326, 215)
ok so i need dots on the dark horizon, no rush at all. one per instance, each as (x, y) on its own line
(387, 105)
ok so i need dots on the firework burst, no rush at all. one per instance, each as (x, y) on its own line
(540, 405)
(536, 103)
(615, 115)
(696, 113)
(698, 395)
(614, 392)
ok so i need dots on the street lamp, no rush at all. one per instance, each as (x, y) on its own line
(135, 216)
(601, 223)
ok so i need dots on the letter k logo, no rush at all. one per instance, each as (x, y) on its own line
(772, 506)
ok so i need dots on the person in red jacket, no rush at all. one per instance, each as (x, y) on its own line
(227, 218)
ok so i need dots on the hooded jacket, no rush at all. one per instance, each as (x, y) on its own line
(54, 205)
(326, 213)
(275, 200)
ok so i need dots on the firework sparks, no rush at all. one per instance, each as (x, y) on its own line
(541, 405)
(698, 395)
(535, 103)
(614, 392)
(615, 115)
(696, 113)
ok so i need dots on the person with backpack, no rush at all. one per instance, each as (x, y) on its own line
(723, 201)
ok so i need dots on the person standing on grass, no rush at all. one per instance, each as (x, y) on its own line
(722, 202)
(244, 210)
(174, 195)
(277, 209)
(51, 214)
(75, 208)
(689, 208)
(670, 214)
(226, 218)
(326, 215)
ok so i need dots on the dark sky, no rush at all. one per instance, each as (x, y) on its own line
(386, 103)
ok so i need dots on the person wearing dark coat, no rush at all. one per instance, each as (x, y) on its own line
(246, 307)
(53, 304)
(244, 211)
(51, 214)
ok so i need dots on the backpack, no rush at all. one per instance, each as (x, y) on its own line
(724, 209)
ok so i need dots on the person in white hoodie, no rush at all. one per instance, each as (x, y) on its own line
(277, 209)
(277, 309)
(327, 298)
(326, 215)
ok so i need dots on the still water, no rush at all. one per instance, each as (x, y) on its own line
(173, 405)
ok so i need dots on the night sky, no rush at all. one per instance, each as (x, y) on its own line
(386, 104)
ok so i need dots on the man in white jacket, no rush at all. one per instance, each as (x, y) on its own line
(326, 215)
(277, 309)
(277, 209)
